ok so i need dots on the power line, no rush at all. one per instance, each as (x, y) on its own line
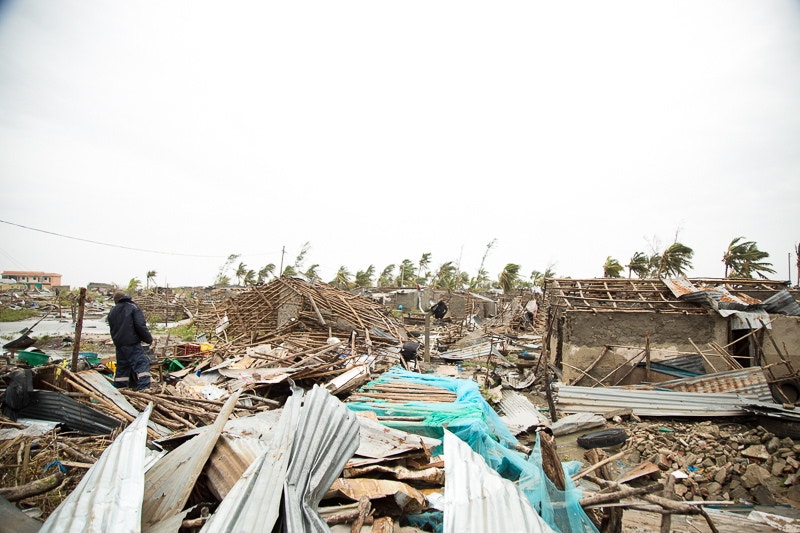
(108, 244)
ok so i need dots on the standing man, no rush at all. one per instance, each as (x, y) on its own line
(129, 331)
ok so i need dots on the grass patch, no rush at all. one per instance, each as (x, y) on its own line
(186, 332)
(14, 315)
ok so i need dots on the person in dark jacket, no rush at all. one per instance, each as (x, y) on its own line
(129, 331)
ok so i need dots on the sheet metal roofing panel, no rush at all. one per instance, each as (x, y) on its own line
(109, 496)
(169, 483)
(747, 319)
(327, 437)
(747, 382)
(379, 441)
(782, 303)
(253, 504)
(478, 500)
(56, 406)
(519, 413)
(231, 457)
(679, 286)
(648, 402)
(476, 350)
(772, 410)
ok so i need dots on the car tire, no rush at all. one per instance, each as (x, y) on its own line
(603, 438)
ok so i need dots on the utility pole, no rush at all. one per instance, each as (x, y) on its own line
(283, 252)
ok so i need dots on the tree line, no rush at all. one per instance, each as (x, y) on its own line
(742, 260)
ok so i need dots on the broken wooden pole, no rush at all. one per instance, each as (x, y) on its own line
(76, 348)
(40, 486)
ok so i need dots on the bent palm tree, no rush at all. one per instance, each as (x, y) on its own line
(364, 277)
(151, 275)
(386, 277)
(675, 260)
(743, 259)
(342, 279)
(639, 265)
(509, 277)
(268, 270)
(612, 268)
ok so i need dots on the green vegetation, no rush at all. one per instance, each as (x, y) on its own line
(744, 259)
(13, 315)
(186, 332)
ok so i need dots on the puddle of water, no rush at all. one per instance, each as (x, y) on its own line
(52, 327)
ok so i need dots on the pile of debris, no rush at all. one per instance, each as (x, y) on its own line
(302, 405)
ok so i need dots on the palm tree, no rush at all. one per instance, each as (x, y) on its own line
(509, 277)
(743, 259)
(241, 272)
(364, 277)
(223, 270)
(151, 275)
(249, 278)
(289, 270)
(342, 279)
(298, 261)
(423, 264)
(406, 272)
(386, 277)
(268, 270)
(443, 279)
(675, 260)
(639, 265)
(133, 285)
(537, 278)
(312, 272)
(612, 268)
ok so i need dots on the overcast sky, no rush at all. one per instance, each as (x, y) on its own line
(179, 133)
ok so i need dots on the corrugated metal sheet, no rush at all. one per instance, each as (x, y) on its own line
(772, 410)
(326, 437)
(747, 319)
(782, 303)
(379, 441)
(253, 504)
(313, 440)
(648, 402)
(58, 407)
(109, 496)
(169, 483)
(476, 350)
(478, 500)
(688, 364)
(519, 413)
(679, 286)
(747, 382)
(231, 457)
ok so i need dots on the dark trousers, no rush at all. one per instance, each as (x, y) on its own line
(132, 363)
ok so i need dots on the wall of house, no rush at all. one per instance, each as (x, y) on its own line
(583, 337)
(786, 334)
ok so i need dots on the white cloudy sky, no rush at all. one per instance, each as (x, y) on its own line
(564, 132)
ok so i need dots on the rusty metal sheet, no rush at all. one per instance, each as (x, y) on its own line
(408, 499)
(170, 481)
(253, 504)
(380, 441)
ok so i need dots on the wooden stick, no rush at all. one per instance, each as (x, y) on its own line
(595, 466)
(625, 492)
(40, 486)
